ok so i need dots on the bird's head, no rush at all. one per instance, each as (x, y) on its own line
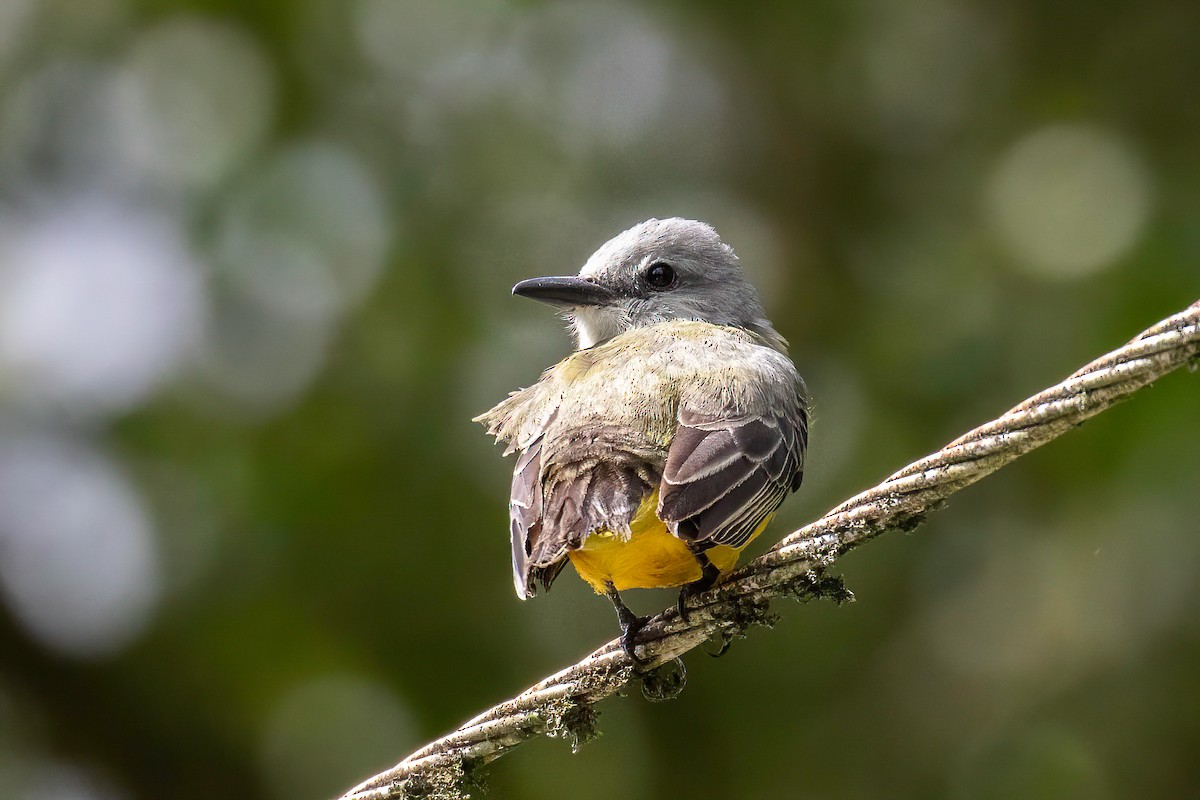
(657, 271)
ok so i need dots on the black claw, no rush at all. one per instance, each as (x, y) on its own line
(629, 634)
(708, 578)
(631, 624)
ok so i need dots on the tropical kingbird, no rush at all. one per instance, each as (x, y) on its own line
(665, 443)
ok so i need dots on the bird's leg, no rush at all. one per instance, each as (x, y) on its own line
(708, 578)
(630, 623)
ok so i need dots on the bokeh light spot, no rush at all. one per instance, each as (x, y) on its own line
(205, 94)
(301, 243)
(99, 304)
(1068, 200)
(78, 558)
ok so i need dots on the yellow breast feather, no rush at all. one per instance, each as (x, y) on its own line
(649, 557)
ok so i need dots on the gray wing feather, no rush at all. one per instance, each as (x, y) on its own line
(525, 514)
(724, 476)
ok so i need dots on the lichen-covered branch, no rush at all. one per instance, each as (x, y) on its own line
(561, 705)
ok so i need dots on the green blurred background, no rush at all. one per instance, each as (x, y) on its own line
(254, 272)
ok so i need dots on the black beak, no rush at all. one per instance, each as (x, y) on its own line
(565, 292)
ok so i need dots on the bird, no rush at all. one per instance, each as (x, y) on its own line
(653, 454)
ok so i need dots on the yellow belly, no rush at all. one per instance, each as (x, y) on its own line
(649, 558)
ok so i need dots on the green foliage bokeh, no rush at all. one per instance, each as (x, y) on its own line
(946, 205)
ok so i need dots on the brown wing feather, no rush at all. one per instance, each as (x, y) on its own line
(724, 476)
(590, 482)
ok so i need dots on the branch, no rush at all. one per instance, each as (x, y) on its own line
(561, 705)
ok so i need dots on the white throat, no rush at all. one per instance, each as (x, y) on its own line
(594, 324)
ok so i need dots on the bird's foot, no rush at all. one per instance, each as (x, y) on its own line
(629, 631)
(631, 624)
(709, 574)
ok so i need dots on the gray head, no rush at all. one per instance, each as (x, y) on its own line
(654, 272)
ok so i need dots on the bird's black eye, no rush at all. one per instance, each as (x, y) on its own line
(659, 275)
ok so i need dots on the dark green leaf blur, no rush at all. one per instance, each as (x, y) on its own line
(255, 262)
